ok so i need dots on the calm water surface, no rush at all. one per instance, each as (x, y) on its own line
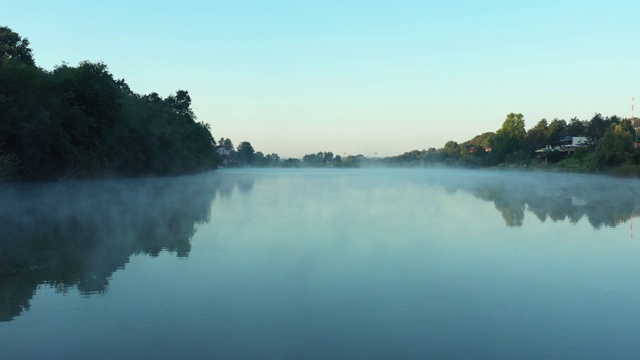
(322, 264)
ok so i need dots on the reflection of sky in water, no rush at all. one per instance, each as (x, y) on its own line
(360, 264)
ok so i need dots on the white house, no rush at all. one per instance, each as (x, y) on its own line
(575, 141)
(222, 151)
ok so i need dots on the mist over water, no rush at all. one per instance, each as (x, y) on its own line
(316, 264)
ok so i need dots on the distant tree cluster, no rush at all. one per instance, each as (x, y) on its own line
(82, 122)
(611, 145)
(326, 159)
(245, 155)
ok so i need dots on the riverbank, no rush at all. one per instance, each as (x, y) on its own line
(577, 165)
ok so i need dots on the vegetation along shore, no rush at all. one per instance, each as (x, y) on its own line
(82, 122)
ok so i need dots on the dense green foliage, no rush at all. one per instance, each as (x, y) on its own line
(82, 122)
(611, 147)
(509, 139)
(246, 153)
(615, 148)
(15, 48)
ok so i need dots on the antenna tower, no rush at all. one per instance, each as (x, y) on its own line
(635, 144)
(633, 123)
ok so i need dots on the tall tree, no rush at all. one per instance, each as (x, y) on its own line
(535, 137)
(596, 128)
(615, 147)
(327, 157)
(575, 128)
(509, 138)
(226, 143)
(553, 135)
(13, 47)
(246, 153)
(181, 104)
(451, 149)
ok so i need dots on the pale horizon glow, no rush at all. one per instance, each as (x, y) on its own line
(353, 77)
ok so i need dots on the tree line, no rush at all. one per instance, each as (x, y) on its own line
(611, 145)
(245, 155)
(82, 122)
(79, 121)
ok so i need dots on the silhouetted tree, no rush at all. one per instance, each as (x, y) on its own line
(596, 128)
(14, 48)
(535, 137)
(246, 153)
(81, 122)
(226, 143)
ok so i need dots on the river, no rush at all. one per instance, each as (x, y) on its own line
(322, 264)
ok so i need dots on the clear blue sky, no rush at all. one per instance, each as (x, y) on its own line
(355, 77)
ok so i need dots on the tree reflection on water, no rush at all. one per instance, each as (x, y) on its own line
(76, 235)
(603, 201)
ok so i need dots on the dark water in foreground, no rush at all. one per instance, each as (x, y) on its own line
(322, 264)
